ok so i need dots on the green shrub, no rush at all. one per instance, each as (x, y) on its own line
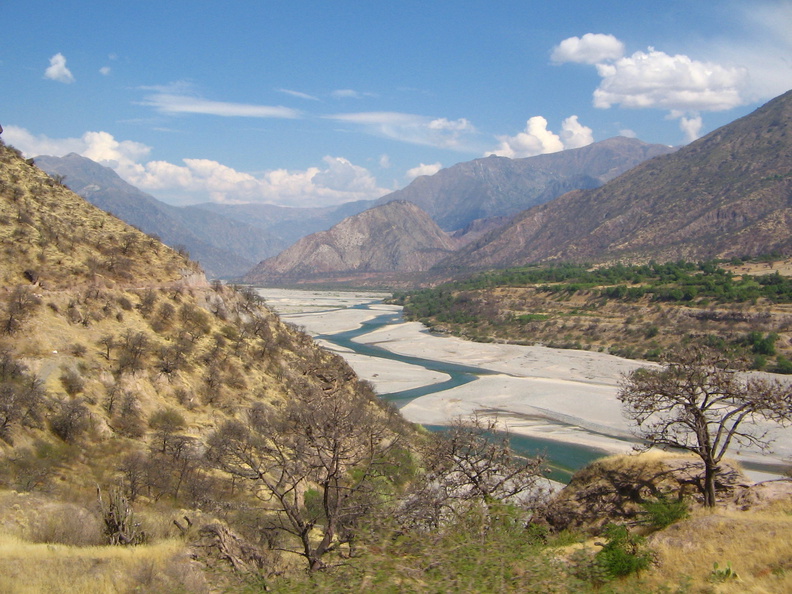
(664, 511)
(623, 553)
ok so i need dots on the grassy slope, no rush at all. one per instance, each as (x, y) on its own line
(87, 277)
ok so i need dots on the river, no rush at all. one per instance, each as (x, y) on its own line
(561, 403)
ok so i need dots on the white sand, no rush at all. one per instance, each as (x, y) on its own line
(556, 394)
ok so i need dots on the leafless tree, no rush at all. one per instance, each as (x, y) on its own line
(20, 305)
(701, 402)
(317, 461)
(472, 464)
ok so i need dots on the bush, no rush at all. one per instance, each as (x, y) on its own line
(623, 553)
(664, 511)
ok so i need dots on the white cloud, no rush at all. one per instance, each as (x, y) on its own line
(384, 161)
(345, 94)
(299, 95)
(592, 48)
(32, 145)
(415, 129)
(58, 71)
(654, 79)
(763, 46)
(176, 103)
(536, 139)
(350, 94)
(691, 127)
(423, 169)
(337, 181)
(574, 134)
(105, 70)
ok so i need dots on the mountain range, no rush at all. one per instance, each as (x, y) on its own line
(396, 237)
(728, 194)
(226, 239)
(498, 186)
(467, 199)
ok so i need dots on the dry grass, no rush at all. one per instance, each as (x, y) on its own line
(35, 568)
(756, 545)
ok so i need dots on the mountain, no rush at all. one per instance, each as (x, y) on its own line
(726, 194)
(395, 237)
(498, 186)
(125, 376)
(225, 247)
(287, 223)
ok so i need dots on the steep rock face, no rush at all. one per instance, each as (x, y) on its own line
(397, 236)
(727, 194)
(498, 186)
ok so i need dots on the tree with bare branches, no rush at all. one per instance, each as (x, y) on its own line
(701, 401)
(319, 463)
(472, 465)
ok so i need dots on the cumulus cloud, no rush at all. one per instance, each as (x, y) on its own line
(654, 79)
(536, 139)
(691, 127)
(762, 44)
(177, 103)
(336, 181)
(592, 48)
(423, 169)
(58, 71)
(574, 134)
(105, 70)
(456, 134)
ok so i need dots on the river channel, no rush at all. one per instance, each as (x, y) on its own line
(355, 325)
(559, 403)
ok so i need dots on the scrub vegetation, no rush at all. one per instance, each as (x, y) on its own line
(634, 311)
(162, 434)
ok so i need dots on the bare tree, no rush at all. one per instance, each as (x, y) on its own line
(317, 462)
(472, 464)
(20, 305)
(701, 402)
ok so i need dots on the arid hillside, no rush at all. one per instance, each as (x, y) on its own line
(118, 365)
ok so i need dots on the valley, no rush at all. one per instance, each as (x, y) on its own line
(559, 401)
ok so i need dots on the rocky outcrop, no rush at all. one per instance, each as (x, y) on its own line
(395, 237)
(612, 489)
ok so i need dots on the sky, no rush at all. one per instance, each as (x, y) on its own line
(315, 103)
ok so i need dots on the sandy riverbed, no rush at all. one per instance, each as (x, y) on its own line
(556, 394)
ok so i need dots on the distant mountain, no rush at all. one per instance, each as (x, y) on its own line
(395, 237)
(726, 194)
(224, 247)
(498, 186)
(287, 224)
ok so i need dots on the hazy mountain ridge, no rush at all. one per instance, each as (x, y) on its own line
(498, 186)
(395, 237)
(471, 198)
(224, 247)
(726, 194)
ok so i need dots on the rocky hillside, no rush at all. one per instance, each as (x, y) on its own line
(119, 362)
(727, 194)
(498, 186)
(225, 247)
(395, 237)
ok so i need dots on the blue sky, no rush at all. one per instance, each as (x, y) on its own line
(316, 103)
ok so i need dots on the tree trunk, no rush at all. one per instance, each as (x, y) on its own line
(710, 472)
